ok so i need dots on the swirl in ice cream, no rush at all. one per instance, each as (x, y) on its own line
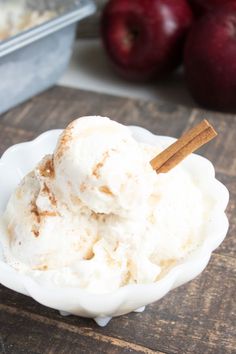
(94, 214)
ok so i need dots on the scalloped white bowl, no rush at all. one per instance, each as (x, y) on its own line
(19, 159)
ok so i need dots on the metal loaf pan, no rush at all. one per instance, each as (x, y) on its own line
(33, 60)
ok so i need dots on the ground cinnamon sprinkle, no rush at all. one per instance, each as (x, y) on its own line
(98, 216)
(10, 232)
(41, 267)
(65, 137)
(89, 255)
(48, 213)
(51, 196)
(167, 262)
(35, 232)
(83, 187)
(34, 210)
(47, 169)
(45, 189)
(106, 190)
(99, 165)
(96, 169)
(39, 214)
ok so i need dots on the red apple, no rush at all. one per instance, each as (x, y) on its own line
(210, 59)
(202, 6)
(145, 38)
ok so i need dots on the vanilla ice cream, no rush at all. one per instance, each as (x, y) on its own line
(100, 164)
(94, 214)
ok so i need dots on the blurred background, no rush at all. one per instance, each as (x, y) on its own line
(96, 73)
(181, 52)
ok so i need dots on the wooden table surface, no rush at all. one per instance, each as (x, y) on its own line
(198, 317)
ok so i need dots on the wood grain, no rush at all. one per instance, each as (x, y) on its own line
(198, 317)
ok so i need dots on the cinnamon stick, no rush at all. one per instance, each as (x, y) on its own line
(188, 143)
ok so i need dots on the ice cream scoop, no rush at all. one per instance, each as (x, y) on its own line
(98, 163)
(42, 233)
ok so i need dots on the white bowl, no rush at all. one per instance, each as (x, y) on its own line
(19, 159)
